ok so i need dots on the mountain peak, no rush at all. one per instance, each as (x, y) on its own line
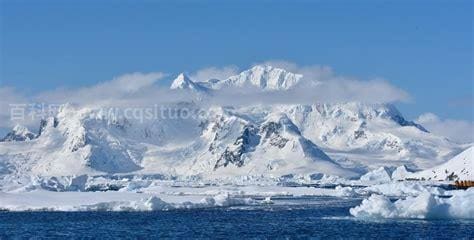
(18, 133)
(181, 81)
(265, 77)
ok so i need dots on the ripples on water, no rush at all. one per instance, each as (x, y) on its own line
(322, 218)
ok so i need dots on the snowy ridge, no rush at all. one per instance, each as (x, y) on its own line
(18, 133)
(460, 167)
(182, 81)
(263, 77)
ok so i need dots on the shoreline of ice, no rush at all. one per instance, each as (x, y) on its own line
(414, 199)
(376, 191)
(113, 201)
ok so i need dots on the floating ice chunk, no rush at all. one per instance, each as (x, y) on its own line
(225, 200)
(155, 203)
(400, 173)
(424, 206)
(331, 179)
(380, 175)
(136, 185)
(267, 200)
(107, 206)
(345, 191)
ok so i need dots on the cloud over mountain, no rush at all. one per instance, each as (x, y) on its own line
(317, 84)
(461, 131)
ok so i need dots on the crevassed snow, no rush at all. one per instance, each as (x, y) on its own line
(423, 206)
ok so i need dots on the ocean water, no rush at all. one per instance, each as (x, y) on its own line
(323, 218)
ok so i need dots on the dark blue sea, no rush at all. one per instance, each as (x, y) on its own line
(326, 218)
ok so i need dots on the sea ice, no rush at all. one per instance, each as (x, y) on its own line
(424, 206)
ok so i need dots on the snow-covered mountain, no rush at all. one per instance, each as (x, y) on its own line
(370, 134)
(184, 82)
(81, 141)
(263, 77)
(460, 167)
(342, 139)
(18, 133)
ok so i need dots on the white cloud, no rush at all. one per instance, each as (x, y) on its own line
(371, 91)
(214, 73)
(129, 83)
(10, 97)
(140, 88)
(125, 89)
(119, 88)
(325, 85)
(461, 131)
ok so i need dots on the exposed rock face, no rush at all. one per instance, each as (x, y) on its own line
(245, 143)
(18, 134)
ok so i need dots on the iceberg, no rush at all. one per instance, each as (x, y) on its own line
(424, 206)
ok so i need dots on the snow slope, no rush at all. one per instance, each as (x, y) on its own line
(460, 167)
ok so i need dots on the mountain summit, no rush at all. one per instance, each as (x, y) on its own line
(182, 81)
(18, 133)
(262, 76)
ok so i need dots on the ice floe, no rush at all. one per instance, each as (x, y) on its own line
(424, 206)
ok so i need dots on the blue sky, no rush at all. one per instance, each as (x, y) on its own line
(422, 47)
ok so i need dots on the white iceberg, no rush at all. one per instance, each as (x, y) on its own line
(424, 206)
(380, 175)
(400, 173)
